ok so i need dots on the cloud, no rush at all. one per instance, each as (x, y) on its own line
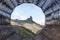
(17, 15)
(25, 11)
(39, 21)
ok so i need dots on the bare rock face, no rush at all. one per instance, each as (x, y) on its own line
(30, 19)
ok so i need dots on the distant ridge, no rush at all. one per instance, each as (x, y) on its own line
(28, 24)
(28, 20)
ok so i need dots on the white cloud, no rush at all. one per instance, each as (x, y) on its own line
(17, 15)
(39, 21)
(23, 13)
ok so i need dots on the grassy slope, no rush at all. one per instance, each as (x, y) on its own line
(23, 31)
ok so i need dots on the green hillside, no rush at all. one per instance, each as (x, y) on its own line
(23, 31)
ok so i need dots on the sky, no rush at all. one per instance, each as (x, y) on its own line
(25, 10)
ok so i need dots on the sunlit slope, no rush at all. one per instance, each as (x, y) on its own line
(33, 27)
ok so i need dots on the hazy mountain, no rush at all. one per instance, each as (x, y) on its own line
(28, 20)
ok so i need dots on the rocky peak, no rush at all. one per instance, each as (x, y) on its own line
(30, 19)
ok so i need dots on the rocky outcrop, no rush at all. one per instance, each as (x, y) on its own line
(30, 19)
(29, 24)
(51, 8)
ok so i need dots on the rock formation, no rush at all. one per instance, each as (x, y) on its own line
(51, 9)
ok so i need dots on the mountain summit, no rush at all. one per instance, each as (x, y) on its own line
(28, 24)
(30, 20)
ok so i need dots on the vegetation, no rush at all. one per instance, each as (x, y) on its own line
(23, 31)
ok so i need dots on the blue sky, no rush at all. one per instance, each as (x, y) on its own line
(25, 10)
